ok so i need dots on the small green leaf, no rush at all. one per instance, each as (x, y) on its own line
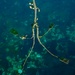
(51, 25)
(13, 31)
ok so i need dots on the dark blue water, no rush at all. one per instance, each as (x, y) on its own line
(60, 40)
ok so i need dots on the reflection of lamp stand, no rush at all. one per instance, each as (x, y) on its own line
(35, 26)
